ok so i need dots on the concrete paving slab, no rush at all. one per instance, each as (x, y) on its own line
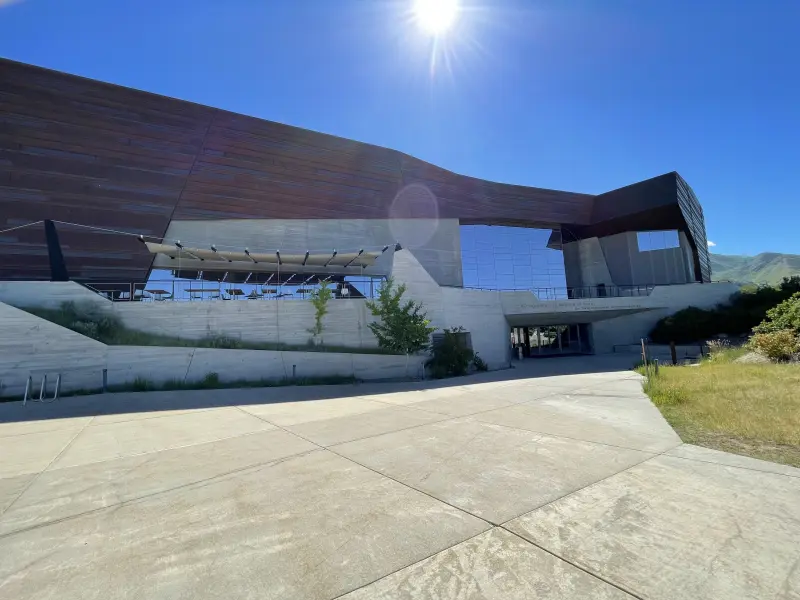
(475, 402)
(613, 389)
(23, 427)
(413, 397)
(32, 452)
(491, 471)
(294, 413)
(310, 527)
(11, 488)
(463, 405)
(144, 414)
(628, 422)
(691, 452)
(115, 440)
(673, 528)
(496, 565)
(358, 426)
(71, 491)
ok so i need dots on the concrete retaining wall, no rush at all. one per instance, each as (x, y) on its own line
(29, 343)
(283, 321)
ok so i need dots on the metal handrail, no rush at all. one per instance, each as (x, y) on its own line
(190, 290)
(580, 293)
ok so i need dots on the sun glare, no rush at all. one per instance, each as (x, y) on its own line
(436, 16)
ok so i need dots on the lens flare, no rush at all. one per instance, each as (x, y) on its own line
(436, 16)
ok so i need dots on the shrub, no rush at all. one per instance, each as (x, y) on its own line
(776, 345)
(744, 310)
(140, 384)
(479, 363)
(451, 356)
(686, 326)
(784, 316)
(86, 328)
(86, 320)
(222, 341)
(209, 382)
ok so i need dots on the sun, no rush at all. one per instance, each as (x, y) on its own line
(436, 16)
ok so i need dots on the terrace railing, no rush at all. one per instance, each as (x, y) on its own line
(183, 290)
(580, 293)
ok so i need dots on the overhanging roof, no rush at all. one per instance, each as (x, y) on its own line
(203, 259)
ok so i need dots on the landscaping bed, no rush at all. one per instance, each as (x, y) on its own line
(750, 409)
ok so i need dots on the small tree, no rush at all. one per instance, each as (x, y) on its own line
(403, 326)
(319, 299)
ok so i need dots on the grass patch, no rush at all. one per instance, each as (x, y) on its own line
(727, 355)
(108, 329)
(750, 409)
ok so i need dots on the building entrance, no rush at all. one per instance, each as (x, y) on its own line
(551, 340)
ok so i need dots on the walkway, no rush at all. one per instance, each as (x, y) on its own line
(503, 486)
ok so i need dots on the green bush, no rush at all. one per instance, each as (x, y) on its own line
(451, 356)
(222, 341)
(784, 316)
(744, 310)
(141, 384)
(209, 382)
(776, 345)
(479, 363)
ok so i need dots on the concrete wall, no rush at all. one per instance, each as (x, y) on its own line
(29, 343)
(479, 312)
(434, 242)
(126, 363)
(663, 301)
(346, 323)
(585, 264)
(285, 321)
(48, 294)
(616, 260)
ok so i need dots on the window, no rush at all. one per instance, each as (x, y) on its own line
(657, 240)
(512, 258)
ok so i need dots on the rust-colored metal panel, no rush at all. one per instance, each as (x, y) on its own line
(83, 151)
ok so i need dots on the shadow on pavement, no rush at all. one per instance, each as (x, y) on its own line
(132, 402)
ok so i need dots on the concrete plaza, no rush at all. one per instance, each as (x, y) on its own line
(556, 480)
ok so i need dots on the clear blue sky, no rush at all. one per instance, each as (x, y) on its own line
(578, 95)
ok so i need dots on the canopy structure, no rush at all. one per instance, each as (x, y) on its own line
(182, 257)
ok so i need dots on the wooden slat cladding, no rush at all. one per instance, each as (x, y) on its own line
(78, 150)
(82, 151)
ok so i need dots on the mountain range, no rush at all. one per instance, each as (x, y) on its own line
(767, 267)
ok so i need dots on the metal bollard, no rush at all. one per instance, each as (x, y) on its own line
(655, 364)
(105, 380)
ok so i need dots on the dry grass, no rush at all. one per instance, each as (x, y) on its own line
(751, 409)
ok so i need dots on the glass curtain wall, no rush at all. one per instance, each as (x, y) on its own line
(512, 258)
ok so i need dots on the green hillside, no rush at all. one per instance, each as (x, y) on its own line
(768, 267)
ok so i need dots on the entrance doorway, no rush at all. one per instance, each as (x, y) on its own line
(551, 340)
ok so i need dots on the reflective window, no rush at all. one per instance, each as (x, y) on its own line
(512, 258)
(657, 240)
